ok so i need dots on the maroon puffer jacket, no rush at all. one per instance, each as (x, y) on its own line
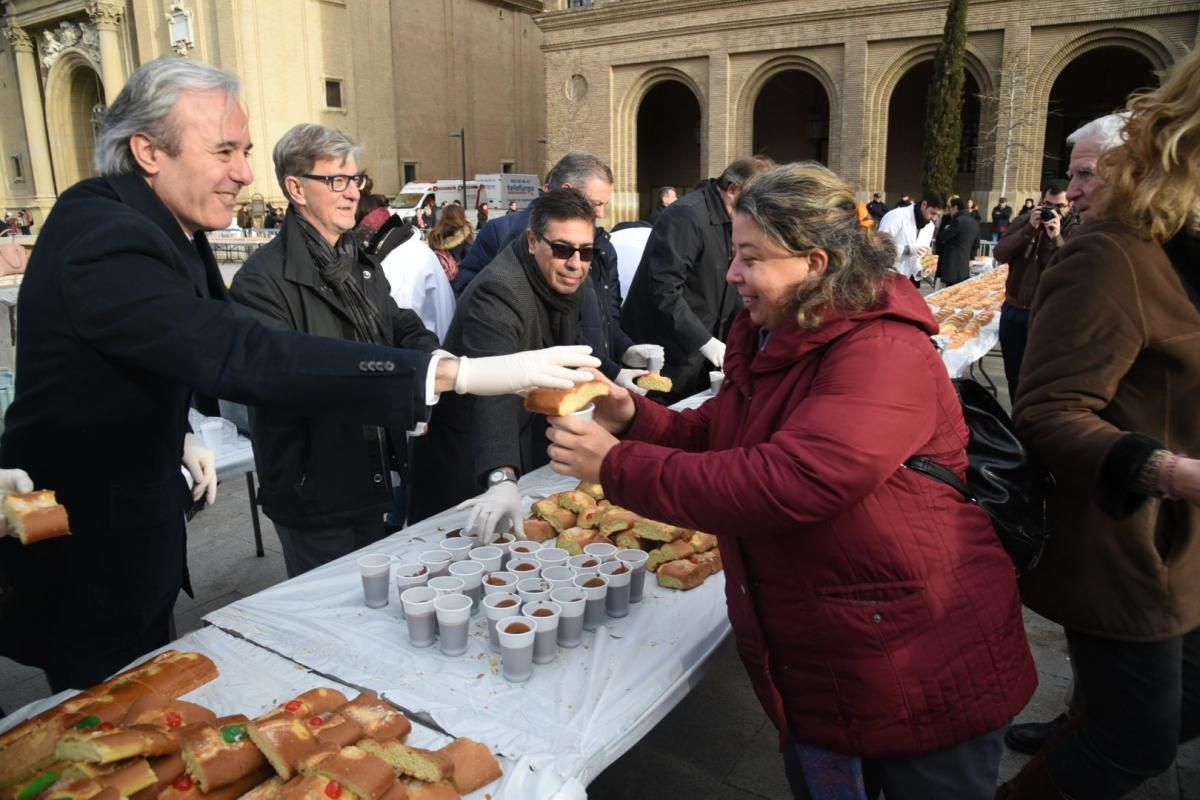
(875, 609)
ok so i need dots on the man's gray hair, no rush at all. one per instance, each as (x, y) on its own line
(145, 105)
(577, 168)
(304, 145)
(1106, 131)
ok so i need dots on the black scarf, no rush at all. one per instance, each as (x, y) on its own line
(338, 265)
(564, 310)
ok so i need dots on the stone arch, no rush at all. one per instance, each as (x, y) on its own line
(626, 201)
(881, 94)
(73, 88)
(747, 99)
(1145, 42)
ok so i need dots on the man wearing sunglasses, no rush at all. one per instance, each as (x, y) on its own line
(326, 482)
(531, 295)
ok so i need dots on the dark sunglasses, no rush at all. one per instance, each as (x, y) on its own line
(565, 251)
(339, 183)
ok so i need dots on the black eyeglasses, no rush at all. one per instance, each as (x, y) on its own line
(565, 251)
(339, 183)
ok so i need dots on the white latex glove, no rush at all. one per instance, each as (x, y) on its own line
(489, 509)
(12, 481)
(627, 378)
(914, 250)
(554, 368)
(640, 355)
(714, 351)
(202, 465)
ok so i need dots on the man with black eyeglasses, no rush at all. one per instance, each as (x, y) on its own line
(326, 481)
(530, 295)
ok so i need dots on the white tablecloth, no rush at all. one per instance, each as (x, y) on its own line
(573, 718)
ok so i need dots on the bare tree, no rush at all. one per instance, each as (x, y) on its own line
(1002, 142)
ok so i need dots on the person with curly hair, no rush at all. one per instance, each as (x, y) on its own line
(451, 238)
(1107, 400)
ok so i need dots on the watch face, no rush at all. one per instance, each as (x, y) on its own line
(496, 476)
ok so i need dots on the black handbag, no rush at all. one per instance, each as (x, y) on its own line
(1003, 478)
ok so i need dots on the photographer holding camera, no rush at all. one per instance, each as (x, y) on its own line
(1031, 242)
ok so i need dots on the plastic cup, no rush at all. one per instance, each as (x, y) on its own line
(447, 584)
(545, 644)
(491, 557)
(525, 567)
(408, 575)
(558, 577)
(420, 615)
(571, 602)
(585, 413)
(438, 561)
(376, 572)
(616, 600)
(471, 574)
(453, 616)
(531, 590)
(459, 547)
(636, 559)
(584, 564)
(516, 636)
(551, 556)
(499, 583)
(596, 587)
(715, 379)
(601, 550)
(523, 549)
(503, 544)
(497, 607)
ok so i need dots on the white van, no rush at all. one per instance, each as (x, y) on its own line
(416, 194)
(506, 187)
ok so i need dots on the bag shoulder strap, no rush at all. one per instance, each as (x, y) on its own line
(927, 466)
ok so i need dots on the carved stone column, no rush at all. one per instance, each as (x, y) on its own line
(34, 113)
(107, 19)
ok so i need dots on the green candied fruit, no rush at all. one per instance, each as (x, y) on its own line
(38, 785)
(233, 733)
(87, 723)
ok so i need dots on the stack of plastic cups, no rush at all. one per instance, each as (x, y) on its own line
(636, 561)
(408, 575)
(571, 602)
(616, 600)
(471, 574)
(546, 614)
(499, 606)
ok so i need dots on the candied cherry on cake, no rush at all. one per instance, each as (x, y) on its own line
(316, 722)
(183, 783)
(333, 790)
(174, 720)
(293, 706)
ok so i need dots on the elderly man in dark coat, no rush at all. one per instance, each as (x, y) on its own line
(679, 297)
(956, 242)
(124, 315)
(325, 481)
(528, 296)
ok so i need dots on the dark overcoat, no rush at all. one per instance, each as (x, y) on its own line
(679, 297)
(320, 471)
(469, 436)
(122, 318)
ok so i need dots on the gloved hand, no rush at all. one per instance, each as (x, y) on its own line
(627, 378)
(714, 351)
(640, 355)
(915, 250)
(12, 481)
(489, 509)
(552, 368)
(202, 466)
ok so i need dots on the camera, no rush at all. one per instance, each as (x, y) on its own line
(1048, 212)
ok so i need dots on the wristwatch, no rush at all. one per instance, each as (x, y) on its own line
(500, 475)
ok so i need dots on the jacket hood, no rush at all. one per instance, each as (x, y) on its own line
(901, 302)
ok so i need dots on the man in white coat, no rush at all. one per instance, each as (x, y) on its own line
(911, 228)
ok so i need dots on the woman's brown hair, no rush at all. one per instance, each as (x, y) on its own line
(451, 229)
(804, 206)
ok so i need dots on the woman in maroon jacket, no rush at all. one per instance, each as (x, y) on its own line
(875, 610)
